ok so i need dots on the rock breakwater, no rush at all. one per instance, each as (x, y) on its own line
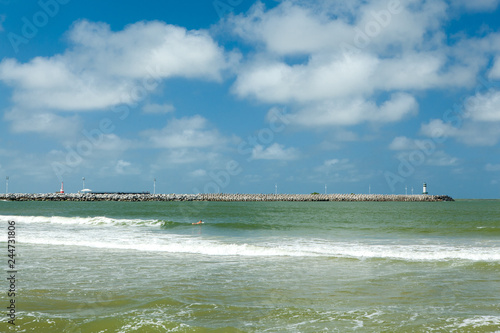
(218, 197)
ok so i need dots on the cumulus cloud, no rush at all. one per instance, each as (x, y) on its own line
(479, 122)
(299, 27)
(348, 55)
(320, 79)
(188, 132)
(406, 146)
(471, 133)
(437, 128)
(440, 158)
(125, 168)
(478, 5)
(492, 167)
(494, 73)
(334, 164)
(198, 173)
(103, 68)
(436, 158)
(194, 156)
(352, 112)
(337, 170)
(158, 108)
(484, 107)
(403, 143)
(112, 142)
(43, 122)
(274, 152)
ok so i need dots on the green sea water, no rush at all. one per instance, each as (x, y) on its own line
(253, 266)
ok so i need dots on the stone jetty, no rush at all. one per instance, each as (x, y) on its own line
(218, 197)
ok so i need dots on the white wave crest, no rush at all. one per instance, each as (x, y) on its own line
(95, 220)
(185, 244)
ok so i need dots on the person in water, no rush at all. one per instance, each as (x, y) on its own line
(199, 222)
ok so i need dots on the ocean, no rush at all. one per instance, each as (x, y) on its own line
(251, 267)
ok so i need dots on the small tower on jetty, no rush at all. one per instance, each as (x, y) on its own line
(424, 191)
(62, 188)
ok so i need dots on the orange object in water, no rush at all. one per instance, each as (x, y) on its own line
(199, 222)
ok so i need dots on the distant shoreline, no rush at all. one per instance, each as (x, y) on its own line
(221, 197)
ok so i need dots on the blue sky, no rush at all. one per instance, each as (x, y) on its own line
(237, 96)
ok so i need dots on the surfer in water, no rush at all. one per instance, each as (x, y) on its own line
(199, 222)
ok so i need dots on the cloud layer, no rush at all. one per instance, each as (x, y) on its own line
(345, 63)
(104, 68)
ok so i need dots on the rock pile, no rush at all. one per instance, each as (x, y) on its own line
(217, 197)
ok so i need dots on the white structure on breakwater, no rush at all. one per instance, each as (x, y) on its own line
(424, 191)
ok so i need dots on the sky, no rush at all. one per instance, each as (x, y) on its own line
(238, 96)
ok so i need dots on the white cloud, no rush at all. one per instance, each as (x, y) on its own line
(320, 79)
(492, 167)
(104, 68)
(274, 152)
(333, 76)
(158, 108)
(342, 135)
(189, 140)
(334, 165)
(199, 173)
(112, 142)
(484, 107)
(436, 128)
(329, 163)
(432, 157)
(478, 125)
(47, 123)
(300, 27)
(494, 73)
(188, 132)
(337, 170)
(289, 29)
(344, 66)
(126, 168)
(477, 5)
(471, 133)
(408, 146)
(352, 112)
(251, 179)
(172, 157)
(402, 143)
(440, 158)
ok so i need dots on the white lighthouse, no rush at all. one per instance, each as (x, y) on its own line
(424, 191)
